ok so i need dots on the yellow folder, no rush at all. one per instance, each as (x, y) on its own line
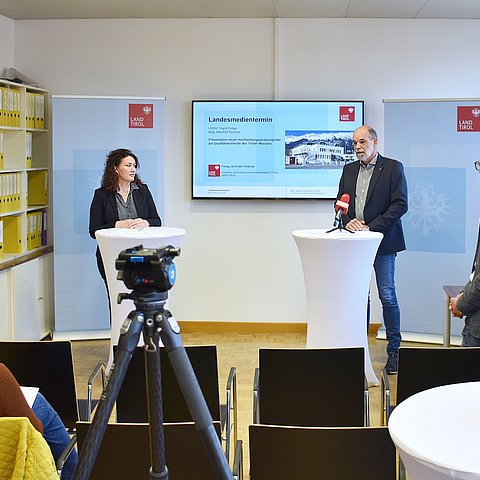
(12, 234)
(39, 111)
(2, 106)
(38, 187)
(2, 151)
(28, 149)
(2, 195)
(1, 238)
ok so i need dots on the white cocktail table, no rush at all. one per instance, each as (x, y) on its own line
(437, 432)
(111, 242)
(337, 268)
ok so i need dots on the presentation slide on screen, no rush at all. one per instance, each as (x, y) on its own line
(272, 149)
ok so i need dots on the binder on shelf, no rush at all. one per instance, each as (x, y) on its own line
(1, 238)
(14, 192)
(32, 230)
(30, 110)
(5, 197)
(2, 106)
(2, 151)
(28, 149)
(8, 193)
(3, 193)
(8, 107)
(17, 102)
(39, 110)
(12, 234)
(37, 187)
(28, 230)
(38, 232)
(35, 230)
(44, 229)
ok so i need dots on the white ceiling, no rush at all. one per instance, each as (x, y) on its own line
(50, 9)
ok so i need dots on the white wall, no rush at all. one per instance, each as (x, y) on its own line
(239, 261)
(6, 42)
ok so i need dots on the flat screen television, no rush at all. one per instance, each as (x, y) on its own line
(271, 149)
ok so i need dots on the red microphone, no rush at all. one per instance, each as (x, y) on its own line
(341, 207)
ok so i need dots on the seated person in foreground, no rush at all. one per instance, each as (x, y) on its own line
(42, 416)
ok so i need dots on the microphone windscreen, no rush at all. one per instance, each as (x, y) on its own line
(343, 203)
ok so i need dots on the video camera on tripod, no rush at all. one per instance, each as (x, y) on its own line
(150, 273)
(147, 268)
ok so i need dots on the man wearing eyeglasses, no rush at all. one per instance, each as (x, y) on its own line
(378, 188)
(467, 303)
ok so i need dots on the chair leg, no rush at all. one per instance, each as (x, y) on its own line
(402, 473)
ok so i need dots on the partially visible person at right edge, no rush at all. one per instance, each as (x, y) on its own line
(378, 193)
(467, 302)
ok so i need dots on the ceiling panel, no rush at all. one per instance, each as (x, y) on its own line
(451, 9)
(311, 8)
(385, 8)
(44, 9)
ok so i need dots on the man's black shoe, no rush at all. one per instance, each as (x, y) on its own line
(392, 364)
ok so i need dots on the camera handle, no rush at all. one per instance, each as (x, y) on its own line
(155, 322)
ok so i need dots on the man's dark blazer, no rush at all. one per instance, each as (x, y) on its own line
(104, 213)
(469, 302)
(385, 204)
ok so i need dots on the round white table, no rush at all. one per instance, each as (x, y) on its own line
(337, 268)
(437, 432)
(111, 242)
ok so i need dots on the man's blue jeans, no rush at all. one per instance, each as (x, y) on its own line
(468, 340)
(384, 266)
(55, 434)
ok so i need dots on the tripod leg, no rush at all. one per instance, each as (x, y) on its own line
(129, 335)
(155, 404)
(170, 335)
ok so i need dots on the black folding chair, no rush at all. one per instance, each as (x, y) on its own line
(131, 404)
(49, 366)
(124, 452)
(333, 453)
(421, 368)
(311, 387)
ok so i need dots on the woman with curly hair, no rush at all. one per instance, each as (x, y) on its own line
(122, 201)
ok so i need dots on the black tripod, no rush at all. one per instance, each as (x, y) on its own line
(151, 318)
(338, 224)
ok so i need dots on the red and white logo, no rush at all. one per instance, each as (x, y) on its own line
(468, 119)
(140, 115)
(347, 113)
(213, 170)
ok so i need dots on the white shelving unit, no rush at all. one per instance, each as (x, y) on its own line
(25, 213)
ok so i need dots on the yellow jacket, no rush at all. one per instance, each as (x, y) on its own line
(24, 453)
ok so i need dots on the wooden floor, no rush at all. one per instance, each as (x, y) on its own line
(234, 349)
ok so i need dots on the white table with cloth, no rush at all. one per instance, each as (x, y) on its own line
(437, 432)
(337, 268)
(111, 242)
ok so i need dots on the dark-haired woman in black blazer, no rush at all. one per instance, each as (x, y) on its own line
(122, 201)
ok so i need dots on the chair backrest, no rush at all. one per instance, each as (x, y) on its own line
(422, 368)
(124, 453)
(132, 398)
(312, 387)
(284, 453)
(49, 366)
